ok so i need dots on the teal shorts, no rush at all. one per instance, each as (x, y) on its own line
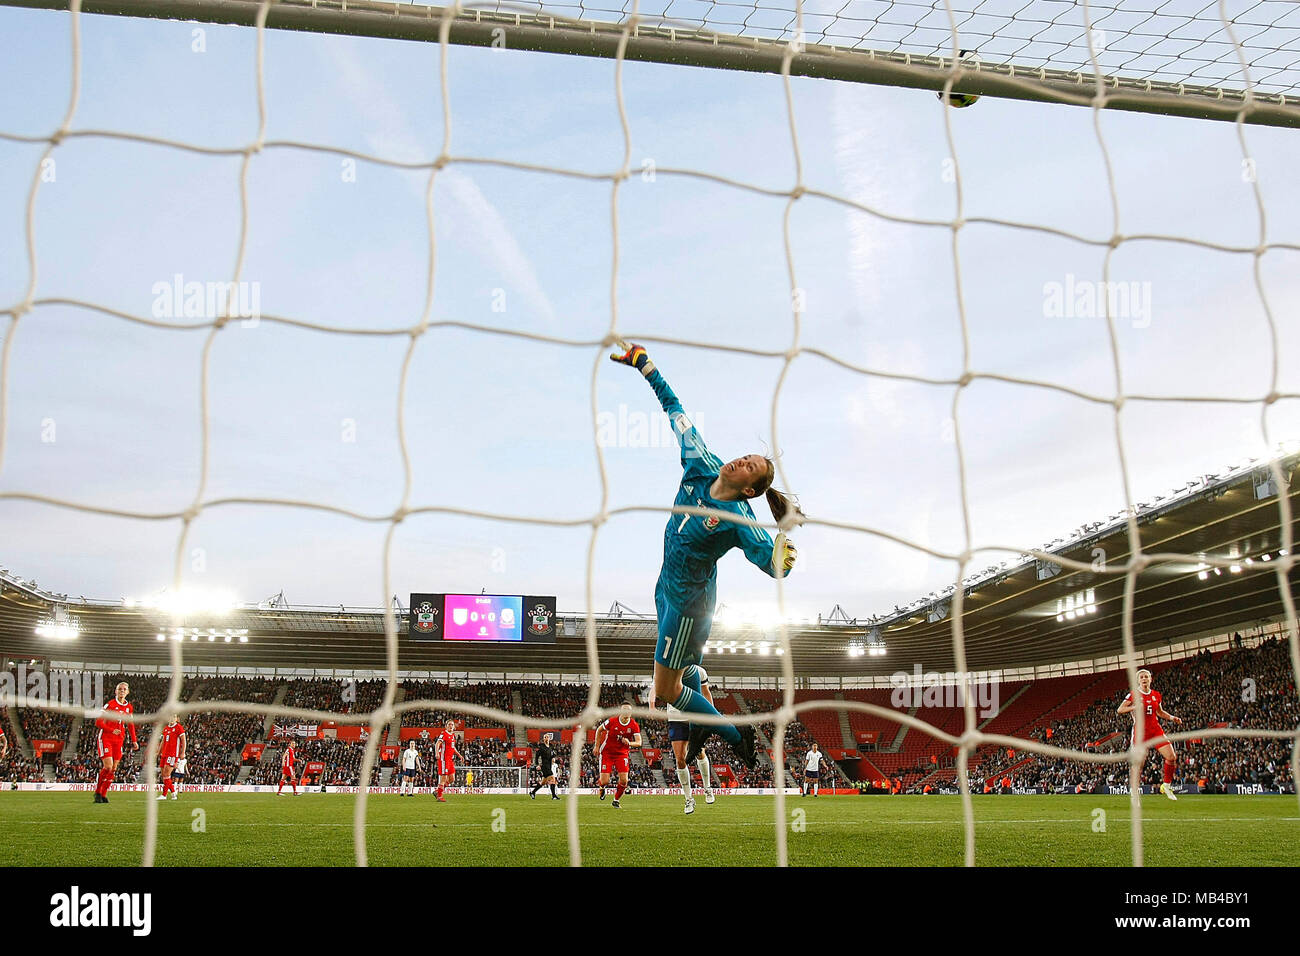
(681, 636)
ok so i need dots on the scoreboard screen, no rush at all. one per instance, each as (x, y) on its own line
(483, 617)
(469, 618)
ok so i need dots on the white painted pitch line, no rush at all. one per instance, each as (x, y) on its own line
(765, 825)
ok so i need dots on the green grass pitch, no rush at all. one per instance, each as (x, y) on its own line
(201, 829)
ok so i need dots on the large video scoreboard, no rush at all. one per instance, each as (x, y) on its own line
(525, 619)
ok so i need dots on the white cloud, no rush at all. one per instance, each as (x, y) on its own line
(854, 148)
(388, 132)
(472, 217)
(481, 225)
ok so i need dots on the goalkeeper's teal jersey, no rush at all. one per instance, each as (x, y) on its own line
(693, 544)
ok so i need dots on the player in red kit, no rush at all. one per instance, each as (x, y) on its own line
(1150, 713)
(614, 737)
(286, 769)
(445, 750)
(112, 737)
(169, 754)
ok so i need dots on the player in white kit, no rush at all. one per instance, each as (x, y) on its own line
(411, 764)
(812, 769)
(679, 731)
(178, 776)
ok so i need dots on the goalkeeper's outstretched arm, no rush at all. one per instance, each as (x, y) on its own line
(688, 437)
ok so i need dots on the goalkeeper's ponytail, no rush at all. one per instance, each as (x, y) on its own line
(780, 503)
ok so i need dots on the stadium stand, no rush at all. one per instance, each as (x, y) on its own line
(824, 725)
(485, 695)
(565, 700)
(882, 731)
(336, 696)
(1247, 687)
(1073, 711)
(342, 760)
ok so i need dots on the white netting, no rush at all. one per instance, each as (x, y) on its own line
(970, 738)
(1172, 41)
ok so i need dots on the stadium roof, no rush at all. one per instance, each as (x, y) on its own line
(1037, 612)
(1030, 614)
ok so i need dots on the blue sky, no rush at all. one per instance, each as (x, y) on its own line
(503, 424)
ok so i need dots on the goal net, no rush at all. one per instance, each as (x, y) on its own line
(492, 778)
(1225, 61)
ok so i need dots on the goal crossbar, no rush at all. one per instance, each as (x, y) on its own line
(684, 44)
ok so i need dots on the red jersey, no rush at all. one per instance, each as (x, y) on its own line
(171, 740)
(111, 726)
(617, 735)
(286, 763)
(1147, 712)
(448, 740)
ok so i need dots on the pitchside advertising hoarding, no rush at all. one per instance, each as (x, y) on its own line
(1238, 789)
(509, 618)
(376, 791)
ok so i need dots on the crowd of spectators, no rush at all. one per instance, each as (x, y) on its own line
(495, 695)
(569, 700)
(1249, 688)
(216, 739)
(336, 696)
(342, 760)
(1241, 688)
(44, 724)
(254, 690)
(483, 752)
(209, 762)
(214, 744)
(16, 768)
(13, 765)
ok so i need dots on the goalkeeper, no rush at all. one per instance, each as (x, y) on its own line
(686, 593)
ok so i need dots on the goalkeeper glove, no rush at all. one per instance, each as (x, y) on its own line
(783, 555)
(635, 356)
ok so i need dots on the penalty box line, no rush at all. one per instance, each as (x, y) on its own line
(665, 823)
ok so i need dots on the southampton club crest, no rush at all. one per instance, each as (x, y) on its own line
(540, 620)
(426, 617)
